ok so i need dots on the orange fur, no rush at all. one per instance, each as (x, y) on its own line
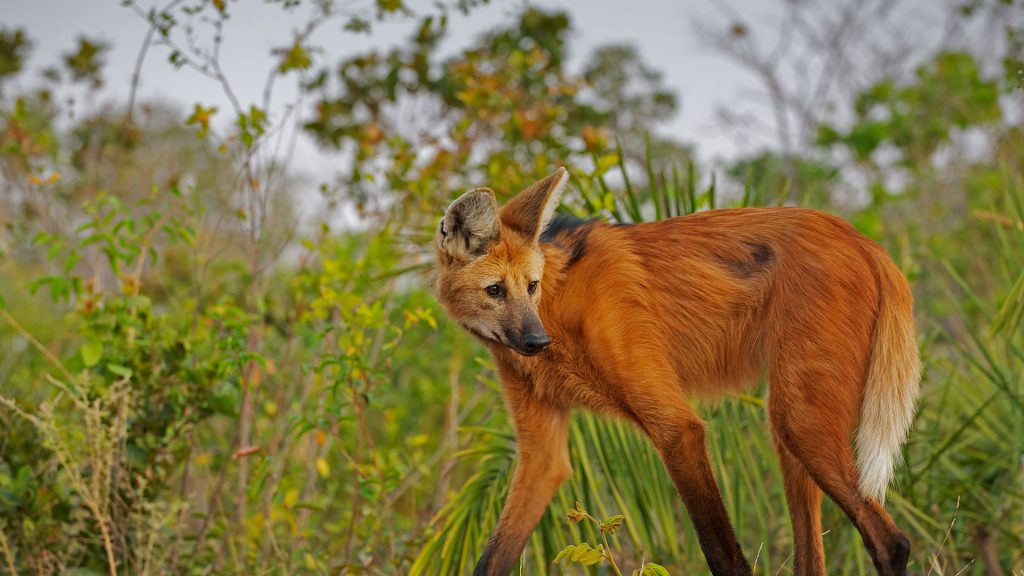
(643, 318)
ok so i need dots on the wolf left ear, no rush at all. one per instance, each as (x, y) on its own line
(531, 210)
(469, 226)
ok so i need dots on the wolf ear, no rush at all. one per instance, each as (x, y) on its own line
(469, 226)
(531, 210)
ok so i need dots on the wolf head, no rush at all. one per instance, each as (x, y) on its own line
(490, 263)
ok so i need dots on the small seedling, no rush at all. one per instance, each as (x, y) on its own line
(586, 555)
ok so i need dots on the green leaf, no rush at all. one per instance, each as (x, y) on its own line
(654, 570)
(866, 137)
(1011, 314)
(565, 553)
(605, 163)
(388, 6)
(201, 117)
(119, 370)
(582, 554)
(92, 352)
(358, 25)
(610, 525)
(295, 58)
(590, 557)
(15, 46)
(87, 62)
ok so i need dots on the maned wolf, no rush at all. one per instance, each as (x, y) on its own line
(633, 321)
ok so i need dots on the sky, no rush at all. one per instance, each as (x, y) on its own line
(663, 31)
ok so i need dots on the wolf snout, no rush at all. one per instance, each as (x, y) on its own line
(535, 343)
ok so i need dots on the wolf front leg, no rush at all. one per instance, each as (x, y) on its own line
(542, 433)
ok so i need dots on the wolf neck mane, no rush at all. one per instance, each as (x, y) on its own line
(567, 236)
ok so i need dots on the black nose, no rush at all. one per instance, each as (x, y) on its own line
(534, 343)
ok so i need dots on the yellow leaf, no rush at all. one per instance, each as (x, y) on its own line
(605, 163)
(429, 317)
(34, 180)
(291, 498)
(323, 467)
(591, 557)
(53, 178)
(255, 526)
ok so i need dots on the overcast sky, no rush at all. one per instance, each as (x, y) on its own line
(663, 30)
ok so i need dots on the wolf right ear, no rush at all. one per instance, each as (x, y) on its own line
(469, 226)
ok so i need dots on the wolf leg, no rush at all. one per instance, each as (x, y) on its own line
(542, 433)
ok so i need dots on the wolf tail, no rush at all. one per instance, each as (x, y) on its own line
(893, 382)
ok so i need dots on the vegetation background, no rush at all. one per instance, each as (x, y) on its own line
(194, 379)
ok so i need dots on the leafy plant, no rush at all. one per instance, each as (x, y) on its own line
(586, 555)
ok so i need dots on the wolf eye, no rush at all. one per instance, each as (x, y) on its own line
(495, 290)
(532, 287)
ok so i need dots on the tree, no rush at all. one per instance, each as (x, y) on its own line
(14, 48)
(505, 109)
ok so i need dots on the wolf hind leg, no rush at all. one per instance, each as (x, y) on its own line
(819, 438)
(804, 500)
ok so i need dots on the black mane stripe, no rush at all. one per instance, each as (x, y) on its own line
(569, 233)
(562, 223)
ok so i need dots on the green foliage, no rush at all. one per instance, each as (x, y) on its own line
(918, 118)
(507, 108)
(200, 118)
(86, 63)
(294, 58)
(251, 125)
(806, 181)
(1010, 316)
(14, 47)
